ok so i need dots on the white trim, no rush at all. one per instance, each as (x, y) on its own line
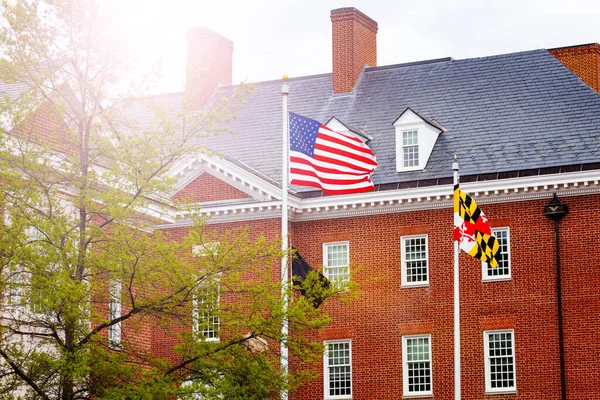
(404, 283)
(114, 311)
(326, 369)
(211, 283)
(402, 146)
(405, 391)
(325, 260)
(486, 348)
(204, 249)
(427, 135)
(402, 200)
(484, 266)
(338, 126)
(248, 182)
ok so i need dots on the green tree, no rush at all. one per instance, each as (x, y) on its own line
(84, 273)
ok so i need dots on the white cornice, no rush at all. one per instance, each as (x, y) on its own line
(403, 200)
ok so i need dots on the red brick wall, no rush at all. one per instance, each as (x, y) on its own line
(208, 188)
(354, 45)
(163, 341)
(46, 127)
(385, 312)
(583, 60)
(527, 303)
(208, 64)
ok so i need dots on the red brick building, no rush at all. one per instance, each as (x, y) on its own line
(523, 126)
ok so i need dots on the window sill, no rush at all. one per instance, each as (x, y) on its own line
(338, 398)
(415, 285)
(501, 279)
(409, 169)
(418, 396)
(501, 392)
(213, 340)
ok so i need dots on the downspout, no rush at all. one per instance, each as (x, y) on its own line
(556, 210)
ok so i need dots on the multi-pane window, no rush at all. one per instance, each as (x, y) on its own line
(336, 262)
(114, 312)
(499, 347)
(206, 313)
(415, 271)
(502, 271)
(410, 148)
(338, 369)
(416, 365)
(15, 287)
(207, 321)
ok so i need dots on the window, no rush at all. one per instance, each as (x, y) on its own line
(114, 312)
(206, 312)
(338, 369)
(499, 361)
(14, 289)
(205, 249)
(207, 320)
(415, 139)
(415, 270)
(502, 271)
(410, 148)
(416, 365)
(335, 262)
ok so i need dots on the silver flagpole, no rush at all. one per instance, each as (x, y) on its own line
(456, 307)
(285, 90)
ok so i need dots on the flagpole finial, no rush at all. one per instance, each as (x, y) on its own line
(285, 89)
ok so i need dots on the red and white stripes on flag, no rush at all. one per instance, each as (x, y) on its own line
(328, 160)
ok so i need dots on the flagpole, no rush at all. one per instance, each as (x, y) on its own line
(456, 306)
(285, 90)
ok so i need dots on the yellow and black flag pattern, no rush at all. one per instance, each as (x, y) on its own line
(472, 229)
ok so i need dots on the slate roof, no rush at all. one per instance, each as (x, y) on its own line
(508, 112)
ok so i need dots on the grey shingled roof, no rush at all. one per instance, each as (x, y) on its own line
(509, 112)
(502, 113)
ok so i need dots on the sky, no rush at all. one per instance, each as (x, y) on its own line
(273, 38)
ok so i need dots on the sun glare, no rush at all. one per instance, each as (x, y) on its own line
(156, 32)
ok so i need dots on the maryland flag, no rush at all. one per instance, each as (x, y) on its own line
(472, 229)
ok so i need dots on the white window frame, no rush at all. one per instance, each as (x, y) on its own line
(326, 266)
(114, 311)
(484, 265)
(486, 349)
(403, 261)
(215, 284)
(405, 385)
(204, 250)
(326, 382)
(404, 146)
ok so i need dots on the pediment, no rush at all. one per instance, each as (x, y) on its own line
(338, 126)
(226, 180)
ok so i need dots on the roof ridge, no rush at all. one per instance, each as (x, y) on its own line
(410, 64)
(270, 81)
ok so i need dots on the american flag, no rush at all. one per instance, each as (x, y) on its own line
(331, 161)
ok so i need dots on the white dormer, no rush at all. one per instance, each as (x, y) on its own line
(415, 138)
(337, 126)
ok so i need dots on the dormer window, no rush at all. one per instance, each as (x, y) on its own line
(338, 126)
(410, 148)
(415, 138)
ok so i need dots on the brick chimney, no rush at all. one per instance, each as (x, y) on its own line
(583, 60)
(354, 45)
(209, 63)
